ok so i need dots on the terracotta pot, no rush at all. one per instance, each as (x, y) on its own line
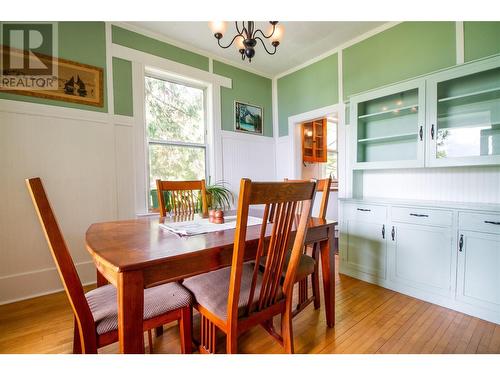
(211, 213)
(218, 220)
(219, 214)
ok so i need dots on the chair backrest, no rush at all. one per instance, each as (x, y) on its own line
(284, 198)
(183, 197)
(322, 185)
(62, 257)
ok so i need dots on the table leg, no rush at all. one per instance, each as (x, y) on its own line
(328, 268)
(130, 312)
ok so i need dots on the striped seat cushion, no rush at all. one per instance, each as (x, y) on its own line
(211, 289)
(157, 301)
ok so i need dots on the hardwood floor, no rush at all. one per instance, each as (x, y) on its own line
(369, 319)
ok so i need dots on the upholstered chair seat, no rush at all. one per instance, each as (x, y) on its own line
(158, 300)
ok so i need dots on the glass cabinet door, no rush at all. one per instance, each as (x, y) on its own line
(465, 119)
(389, 128)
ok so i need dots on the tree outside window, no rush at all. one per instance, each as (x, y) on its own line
(175, 131)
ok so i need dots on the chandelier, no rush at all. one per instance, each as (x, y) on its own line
(247, 36)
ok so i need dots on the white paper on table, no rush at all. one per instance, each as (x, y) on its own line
(200, 225)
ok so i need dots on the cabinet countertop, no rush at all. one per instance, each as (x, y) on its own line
(470, 206)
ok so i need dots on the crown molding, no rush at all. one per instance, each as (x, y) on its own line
(190, 48)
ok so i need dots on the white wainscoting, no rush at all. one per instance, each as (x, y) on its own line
(84, 159)
(283, 153)
(455, 184)
(245, 155)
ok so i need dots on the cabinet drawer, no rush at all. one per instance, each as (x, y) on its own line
(487, 223)
(422, 216)
(366, 212)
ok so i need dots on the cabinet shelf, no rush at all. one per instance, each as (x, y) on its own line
(401, 111)
(495, 90)
(390, 138)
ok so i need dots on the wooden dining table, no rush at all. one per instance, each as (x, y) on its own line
(137, 254)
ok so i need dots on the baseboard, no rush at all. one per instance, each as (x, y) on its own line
(449, 302)
(32, 284)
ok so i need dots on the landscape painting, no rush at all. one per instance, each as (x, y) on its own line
(248, 118)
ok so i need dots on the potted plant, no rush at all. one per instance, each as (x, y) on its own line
(219, 198)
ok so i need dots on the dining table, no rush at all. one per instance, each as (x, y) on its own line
(140, 253)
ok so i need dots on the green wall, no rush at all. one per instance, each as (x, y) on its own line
(404, 51)
(83, 42)
(158, 48)
(481, 39)
(314, 86)
(247, 87)
(122, 87)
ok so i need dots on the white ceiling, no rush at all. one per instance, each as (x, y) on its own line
(301, 42)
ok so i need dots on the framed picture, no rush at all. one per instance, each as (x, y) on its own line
(248, 118)
(76, 83)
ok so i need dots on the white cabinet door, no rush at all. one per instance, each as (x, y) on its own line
(365, 248)
(421, 256)
(479, 269)
(463, 109)
(389, 127)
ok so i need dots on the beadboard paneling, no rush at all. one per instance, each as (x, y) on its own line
(457, 184)
(247, 156)
(283, 156)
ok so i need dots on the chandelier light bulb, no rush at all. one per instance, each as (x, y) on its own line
(239, 43)
(218, 28)
(277, 37)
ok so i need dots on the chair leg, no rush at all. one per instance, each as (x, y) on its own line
(159, 331)
(150, 341)
(208, 337)
(232, 343)
(185, 330)
(287, 331)
(302, 292)
(315, 277)
(77, 345)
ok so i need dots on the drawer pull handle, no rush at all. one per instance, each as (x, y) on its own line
(419, 215)
(393, 233)
(461, 243)
(383, 231)
(492, 222)
(421, 133)
(363, 209)
(432, 132)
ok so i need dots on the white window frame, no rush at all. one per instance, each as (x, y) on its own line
(160, 75)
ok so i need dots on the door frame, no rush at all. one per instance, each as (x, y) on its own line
(295, 142)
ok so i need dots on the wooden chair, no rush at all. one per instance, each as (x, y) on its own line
(309, 264)
(237, 298)
(183, 199)
(96, 316)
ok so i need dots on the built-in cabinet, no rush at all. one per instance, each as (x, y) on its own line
(447, 255)
(314, 141)
(365, 245)
(479, 260)
(450, 118)
(389, 127)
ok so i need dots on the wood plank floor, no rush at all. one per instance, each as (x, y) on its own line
(369, 319)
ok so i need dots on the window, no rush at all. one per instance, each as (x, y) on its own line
(175, 131)
(332, 150)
